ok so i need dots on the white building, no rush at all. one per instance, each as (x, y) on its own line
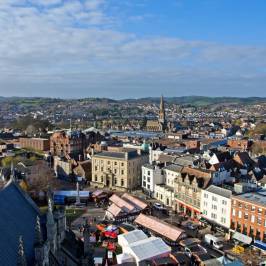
(216, 205)
(165, 192)
(151, 176)
(154, 154)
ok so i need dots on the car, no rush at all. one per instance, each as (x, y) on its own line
(214, 241)
(191, 226)
(158, 206)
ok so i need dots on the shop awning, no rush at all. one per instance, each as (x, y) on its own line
(260, 245)
(242, 238)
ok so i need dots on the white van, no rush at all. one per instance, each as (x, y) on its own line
(213, 241)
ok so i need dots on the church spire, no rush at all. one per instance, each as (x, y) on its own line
(21, 261)
(162, 111)
(38, 233)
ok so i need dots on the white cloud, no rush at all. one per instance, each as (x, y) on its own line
(76, 45)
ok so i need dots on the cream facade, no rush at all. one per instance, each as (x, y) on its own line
(119, 170)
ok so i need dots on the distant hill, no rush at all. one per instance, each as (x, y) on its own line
(183, 100)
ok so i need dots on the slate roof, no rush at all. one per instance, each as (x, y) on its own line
(17, 217)
(220, 191)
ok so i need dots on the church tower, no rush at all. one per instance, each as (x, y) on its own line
(162, 112)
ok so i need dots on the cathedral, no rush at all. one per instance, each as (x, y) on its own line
(159, 125)
(29, 238)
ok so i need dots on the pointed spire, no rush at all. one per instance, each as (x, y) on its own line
(38, 233)
(12, 174)
(21, 261)
(162, 103)
(50, 216)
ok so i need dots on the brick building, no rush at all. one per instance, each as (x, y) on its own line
(40, 144)
(249, 214)
(73, 143)
(239, 144)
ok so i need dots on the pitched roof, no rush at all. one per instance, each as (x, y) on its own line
(134, 201)
(17, 218)
(121, 203)
(162, 228)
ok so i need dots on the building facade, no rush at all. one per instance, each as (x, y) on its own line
(249, 214)
(151, 175)
(165, 192)
(40, 144)
(118, 169)
(216, 206)
(188, 188)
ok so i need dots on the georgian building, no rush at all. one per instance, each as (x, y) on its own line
(216, 206)
(187, 189)
(249, 214)
(118, 169)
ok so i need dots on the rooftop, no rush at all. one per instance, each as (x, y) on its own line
(258, 197)
(220, 191)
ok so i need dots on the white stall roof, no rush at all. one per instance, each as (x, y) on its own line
(148, 248)
(131, 237)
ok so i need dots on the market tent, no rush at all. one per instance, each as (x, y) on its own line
(148, 248)
(131, 237)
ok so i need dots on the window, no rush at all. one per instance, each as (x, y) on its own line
(214, 198)
(108, 162)
(246, 216)
(102, 169)
(214, 207)
(213, 216)
(223, 220)
(148, 186)
(115, 171)
(259, 221)
(122, 182)
(95, 178)
(205, 203)
(223, 211)
(148, 180)
(144, 177)
(224, 202)
(115, 181)
(205, 195)
(252, 218)
(205, 212)
(102, 179)
(122, 172)
(115, 163)
(259, 210)
(96, 168)
(234, 212)
(122, 164)
(144, 183)
(240, 205)
(149, 172)
(240, 214)
(252, 208)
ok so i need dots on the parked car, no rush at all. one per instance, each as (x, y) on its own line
(158, 206)
(213, 241)
(191, 226)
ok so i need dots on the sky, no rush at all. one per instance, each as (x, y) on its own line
(132, 48)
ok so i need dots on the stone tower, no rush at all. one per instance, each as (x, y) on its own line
(51, 227)
(162, 119)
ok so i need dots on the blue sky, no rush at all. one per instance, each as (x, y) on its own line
(132, 48)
